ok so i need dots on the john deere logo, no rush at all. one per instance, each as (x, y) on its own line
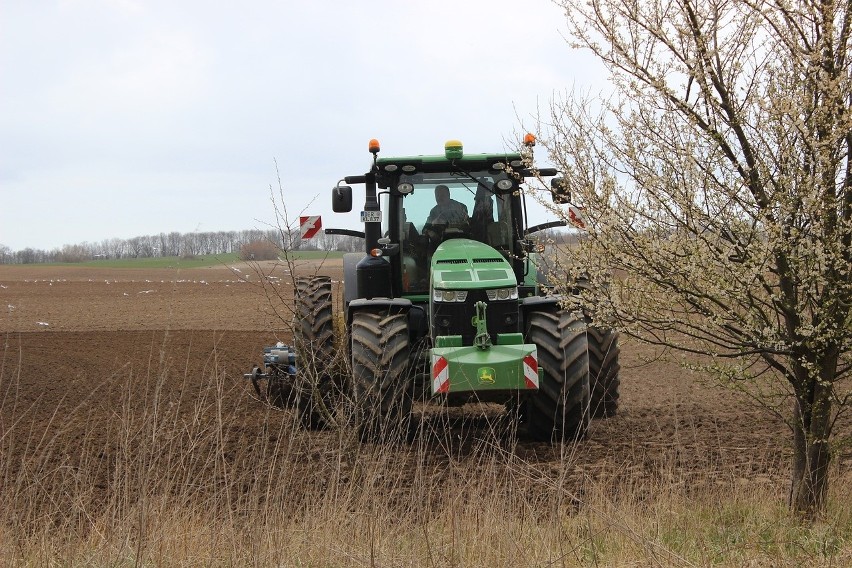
(486, 375)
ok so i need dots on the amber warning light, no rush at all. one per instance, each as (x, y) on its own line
(374, 146)
(529, 139)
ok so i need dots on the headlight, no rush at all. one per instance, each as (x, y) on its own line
(502, 293)
(449, 295)
(504, 184)
(405, 188)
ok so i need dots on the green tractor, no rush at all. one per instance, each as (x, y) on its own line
(446, 305)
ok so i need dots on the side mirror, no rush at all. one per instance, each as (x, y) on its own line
(559, 191)
(341, 199)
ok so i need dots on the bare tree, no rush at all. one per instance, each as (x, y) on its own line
(6, 255)
(326, 241)
(172, 244)
(134, 247)
(717, 180)
(111, 248)
(148, 246)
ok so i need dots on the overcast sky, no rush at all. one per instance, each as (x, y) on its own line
(121, 118)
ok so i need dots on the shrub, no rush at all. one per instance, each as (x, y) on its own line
(258, 250)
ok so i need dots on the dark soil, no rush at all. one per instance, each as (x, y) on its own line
(84, 351)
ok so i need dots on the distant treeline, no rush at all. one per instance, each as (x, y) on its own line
(249, 244)
(185, 245)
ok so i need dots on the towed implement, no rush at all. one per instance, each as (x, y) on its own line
(446, 304)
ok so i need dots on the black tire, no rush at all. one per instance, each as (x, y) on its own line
(381, 381)
(317, 391)
(559, 411)
(603, 371)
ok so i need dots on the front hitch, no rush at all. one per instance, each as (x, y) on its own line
(482, 339)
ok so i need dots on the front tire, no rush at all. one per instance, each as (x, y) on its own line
(559, 411)
(380, 371)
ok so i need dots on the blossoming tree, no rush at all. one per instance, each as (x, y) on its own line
(717, 192)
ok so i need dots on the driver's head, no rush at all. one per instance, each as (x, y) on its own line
(442, 194)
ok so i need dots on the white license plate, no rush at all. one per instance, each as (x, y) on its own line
(371, 216)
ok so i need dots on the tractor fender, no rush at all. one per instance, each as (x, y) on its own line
(350, 282)
(399, 305)
(539, 304)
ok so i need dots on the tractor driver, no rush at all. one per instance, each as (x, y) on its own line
(446, 212)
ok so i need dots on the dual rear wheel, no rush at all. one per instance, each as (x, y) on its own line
(315, 390)
(379, 391)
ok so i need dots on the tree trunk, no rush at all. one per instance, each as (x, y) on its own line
(811, 451)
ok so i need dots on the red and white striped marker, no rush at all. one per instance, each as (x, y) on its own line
(531, 370)
(440, 375)
(310, 226)
(575, 215)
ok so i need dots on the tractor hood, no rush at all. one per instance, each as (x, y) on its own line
(464, 264)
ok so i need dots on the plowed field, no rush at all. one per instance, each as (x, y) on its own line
(80, 346)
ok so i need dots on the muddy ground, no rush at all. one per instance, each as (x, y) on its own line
(88, 341)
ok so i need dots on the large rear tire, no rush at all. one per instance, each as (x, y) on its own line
(603, 371)
(559, 411)
(381, 379)
(317, 391)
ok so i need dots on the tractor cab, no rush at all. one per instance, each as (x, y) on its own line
(416, 203)
(439, 206)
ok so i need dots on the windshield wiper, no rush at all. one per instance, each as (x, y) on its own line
(470, 176)
(479, 182)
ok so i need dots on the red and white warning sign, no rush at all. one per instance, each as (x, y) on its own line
(531, 370)
(440, 375)
(575, 215)
(310, 226)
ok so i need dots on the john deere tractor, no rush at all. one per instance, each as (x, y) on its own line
(445, 304)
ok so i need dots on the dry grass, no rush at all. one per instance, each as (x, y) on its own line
(171, 482)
